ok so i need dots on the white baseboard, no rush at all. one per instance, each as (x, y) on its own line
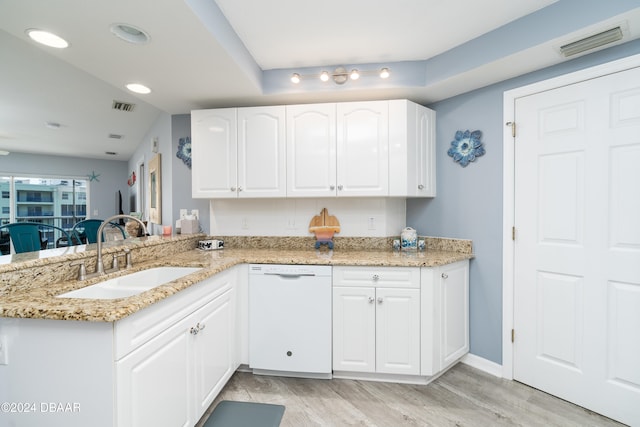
(483, 364)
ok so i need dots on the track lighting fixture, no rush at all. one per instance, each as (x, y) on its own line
(340, 75)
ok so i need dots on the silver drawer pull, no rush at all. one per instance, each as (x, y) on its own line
(445, 276)
(371, 300)
(375, 277)
(380, 300)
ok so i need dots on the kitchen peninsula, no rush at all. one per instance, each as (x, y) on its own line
(112, 356)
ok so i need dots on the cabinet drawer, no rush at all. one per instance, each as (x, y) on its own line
(378, 277)
(135, 330)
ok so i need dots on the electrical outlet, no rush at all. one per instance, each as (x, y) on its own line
(4, 356)
(291, 224)
(183, 213)
(245, 223)
(95, 212)
(195, 212)
(371, 223)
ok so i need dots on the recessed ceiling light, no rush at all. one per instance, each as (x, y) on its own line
(130, 33)
(138, 88)
(46, 38)
(111, 153)
(4, 153)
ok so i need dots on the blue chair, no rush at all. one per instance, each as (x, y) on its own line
(28, 236)
(87, 231)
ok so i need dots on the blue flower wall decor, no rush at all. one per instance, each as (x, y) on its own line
(184, 150)
(466, 147)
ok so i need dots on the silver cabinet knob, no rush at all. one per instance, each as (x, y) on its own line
(195, 330)
(332, 187)
(420, 187)
(340, 187)
(380, 300)
(375, 277)
(233, 188)
(371, 300)
(445, 276)
(239, 188)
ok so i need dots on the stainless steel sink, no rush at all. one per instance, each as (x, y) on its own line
(131, 284)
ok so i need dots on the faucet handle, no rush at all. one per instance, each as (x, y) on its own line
(127, 253)
(82, 271)
(115, 264)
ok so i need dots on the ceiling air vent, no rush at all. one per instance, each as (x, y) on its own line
(592, 42)
(123, 106)
(115, 136)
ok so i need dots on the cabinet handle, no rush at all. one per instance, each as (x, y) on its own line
(239, 188)
(371, 300)
(332, 187)
(420, 187)
(375, 277)
(233, 188)
(340, 187)
(196, 329)
(380, 300)
(445, 276)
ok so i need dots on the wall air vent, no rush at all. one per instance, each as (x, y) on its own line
(123, 106)
(592, 42)
(115, 136)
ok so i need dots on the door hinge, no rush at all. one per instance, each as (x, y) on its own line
(513, 233)
(513, 335)
(513, 128)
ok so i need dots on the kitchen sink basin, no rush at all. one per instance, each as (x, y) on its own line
(131, 284)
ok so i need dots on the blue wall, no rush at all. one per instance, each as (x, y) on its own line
(469, 200)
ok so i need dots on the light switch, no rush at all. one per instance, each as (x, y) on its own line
(4, 356)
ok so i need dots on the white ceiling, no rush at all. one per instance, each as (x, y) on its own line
(205, 54)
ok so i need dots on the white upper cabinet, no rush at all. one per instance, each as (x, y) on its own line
(238, 152)
(348, 149)
(363, 148)
(261, 152)
(214, 153)
(412, 157)
(311, 150)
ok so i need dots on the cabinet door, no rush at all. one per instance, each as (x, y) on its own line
(398, 331)
(213, 348)
(261, 152)
(214, 153)
(362, 148)
(153, 382)
(424, 154)
(354, 329)
(411, 150)
(311, 150)
(454, 303)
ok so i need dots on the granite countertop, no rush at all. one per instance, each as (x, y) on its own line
(41, 302)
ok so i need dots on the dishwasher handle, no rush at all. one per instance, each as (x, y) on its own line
(290, 275)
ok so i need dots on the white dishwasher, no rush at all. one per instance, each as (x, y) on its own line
(290, 320)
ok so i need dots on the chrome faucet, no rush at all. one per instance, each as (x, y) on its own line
(99, 263)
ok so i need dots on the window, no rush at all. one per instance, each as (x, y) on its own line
(60, 201)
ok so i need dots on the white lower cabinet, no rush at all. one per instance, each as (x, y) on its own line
(172, 379)
(445, 316)
(376, 320)
(403, 321)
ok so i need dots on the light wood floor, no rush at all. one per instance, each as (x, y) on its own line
(464, 396)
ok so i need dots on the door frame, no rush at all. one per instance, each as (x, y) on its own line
(508, 186)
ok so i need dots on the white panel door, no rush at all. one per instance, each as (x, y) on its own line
(261, 152)
(363, 148)
(354, 329)
(214, 153)
(577, 247)
(311, 150)
(398, 331)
